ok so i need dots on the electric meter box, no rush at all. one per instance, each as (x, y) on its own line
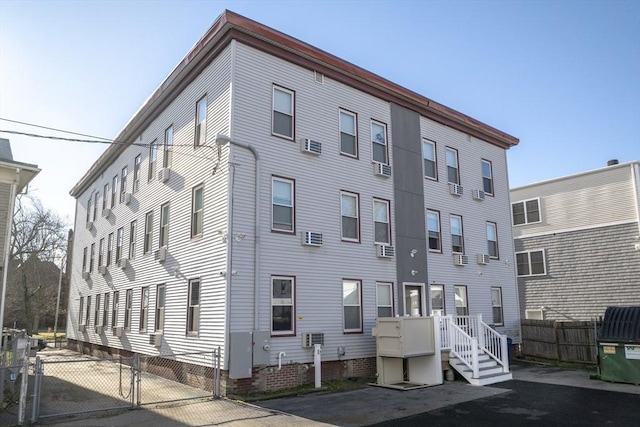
(405, 336)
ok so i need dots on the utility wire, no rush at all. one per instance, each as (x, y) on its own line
(57, 130)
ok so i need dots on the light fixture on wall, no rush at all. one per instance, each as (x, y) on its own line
(223, 235)
(239, 237)
(413, 252)
(414, 272)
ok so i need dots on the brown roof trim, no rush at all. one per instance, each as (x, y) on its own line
(229, 26)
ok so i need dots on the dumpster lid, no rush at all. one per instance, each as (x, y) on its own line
(620, 324)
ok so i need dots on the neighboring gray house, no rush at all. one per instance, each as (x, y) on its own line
(14, 178)
(577, 242)
(268, 190)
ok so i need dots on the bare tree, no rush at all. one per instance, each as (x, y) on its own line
(38, 242)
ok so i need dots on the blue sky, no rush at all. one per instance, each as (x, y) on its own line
(563, 76)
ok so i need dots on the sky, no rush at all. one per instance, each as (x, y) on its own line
(562, 76)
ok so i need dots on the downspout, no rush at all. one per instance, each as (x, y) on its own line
(7, 249)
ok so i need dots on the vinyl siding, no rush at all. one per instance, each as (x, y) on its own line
(5, 194)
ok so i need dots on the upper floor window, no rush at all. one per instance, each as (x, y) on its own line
(92, 257)
(128, 308)
(136, 172)
(201, 122)
(148, 231)
(461, 301)
(526, 211)
(348, 133)
(164, 225)
(119, 242)
(437, 300)
(382, 230)
(133, 230)
(168, 145)
(96, 311)
(282, 208)
(95, 205)
(88, 312)
(384, 299)
(81, 311)
(109, 248)
(433, 226)
(123, 183)
(105, 310)
(114, 191)
(283, 112)
(379, 142)
(114, 309)
(101, 252)
(193, 308)
(105, 197)
(282, 305)
(160, 303)
(144, 309)
(457, 238)
(197, 210)
(350, 211)
(89, 209)
(84, 259)
(453, 172)
(487, 177)
(153, 155)
(429, 159)
(352, 305)
(531, 263)
(496, 305)
(492, 239)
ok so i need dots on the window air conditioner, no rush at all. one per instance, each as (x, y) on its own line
(460, 259)
(123, 263)
(127, 198)
(381, 169)
(82, 328)
(310, 339)
(117, 331)
(385, 251)
(478, 195)
(102, 270)
(455, 189)
(309, 238)
(161, 255)
(163, 174)
(310, 147)
(99, 329)
(89, 225)
(155, 340)
(483, 259)
(106, 212)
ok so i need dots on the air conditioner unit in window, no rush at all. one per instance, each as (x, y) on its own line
(82, 328)
(85, 275)
(117, 331)
(478, 195)
(161, 255)
(127, 198)
(309, 238)
(102, 270)
(456, 189)
(163, 174)
(460, 259)
(155, 340)
(89, 225)
(99, 329)
(381, 169)
(310, 147)
(123, 263)
(310, 339)
(483, 259)
(385, 251)
(106, 212)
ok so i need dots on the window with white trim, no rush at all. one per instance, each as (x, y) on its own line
(348, 133)
(352, 305)
(109, 248)
(144, 309)
(95, 205)
(382, 229)
(197, 210)
(96, 311)
(105, 310)
(133, 231)
(379, 142)
(114, 309)
(153, 157)
(496, 305)
(201, 122)
(193, 308)
(282, 207)
(84, 259)
(101, 252)
(429, 160)
(81, 312)
(128, 308)
(148, 232)
(433, 227)
(136, 172)
(487, 177)
(526, 211)
(283, 112)
(114, 191)
(531, 263)
(164, 226)
(282, 305)
(123, 183)
(457, 236)
(160, 303)
(92, 257)
(105, 197)
(168, 147)
(350, 211)
(87, 317)
(492, 239)
(119, 243)
(89, 209)
(384, 299)
(453, 172)
(461, 301)
(437, 300)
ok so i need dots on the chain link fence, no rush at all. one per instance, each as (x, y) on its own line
(14, 368)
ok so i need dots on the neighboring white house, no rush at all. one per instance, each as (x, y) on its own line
(267, 190)
(577, 243)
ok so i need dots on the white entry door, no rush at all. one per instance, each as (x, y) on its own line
(414, 299)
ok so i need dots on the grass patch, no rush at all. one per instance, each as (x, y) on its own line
(330, 386)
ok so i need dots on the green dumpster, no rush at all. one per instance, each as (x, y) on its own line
(619, 345)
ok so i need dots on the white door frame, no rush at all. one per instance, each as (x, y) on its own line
(423, 302)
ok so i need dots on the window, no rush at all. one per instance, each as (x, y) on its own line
(133, 229)
(114, 309)
(144, 308)
(282, 213)
(128, 308)
(81, 311)
(414, 302)
(526, 212)
(123, 183)
(381, 221)
(384, 298)
(101, 252)
(153, 156)
(453, 173)
(119, 243)
(351, 304)
(95, 205)
(88, 312)
(462, 307)
(433, 226)
(89, 209)
(379, 142)
(193, 309)
(136, 172)
(148, 231)
(282, 309)
(457, 239)
(283, 116)
(168, 145)
(531, 263)
(105, 310)
(109, 248)
(91, 257)
(350, 207)
(84, 259)
(437, 300)
(96, 312)
(105, 197)
(197, 210)
(114, 191)
(429, 159)
(348, 134)
(492, 239)
(160, 301)
(487, 177)
(496, 304)
(201, 122)
(164, 225)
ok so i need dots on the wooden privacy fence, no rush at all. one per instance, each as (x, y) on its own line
(573, 341)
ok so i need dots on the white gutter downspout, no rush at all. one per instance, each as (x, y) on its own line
(221, 140)
(7, 250)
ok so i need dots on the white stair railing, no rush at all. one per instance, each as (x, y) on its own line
(494, 345)
(464, 347)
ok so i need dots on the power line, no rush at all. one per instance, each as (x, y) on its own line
(50, 128)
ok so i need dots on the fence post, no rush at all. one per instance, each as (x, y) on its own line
(37, 389)
(217, 374)
(22, 407)
(555, 333)
(136, 379)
